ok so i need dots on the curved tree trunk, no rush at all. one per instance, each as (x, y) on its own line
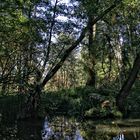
(125, 90)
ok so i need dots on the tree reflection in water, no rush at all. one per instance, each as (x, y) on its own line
(63, 130)
(47, 132)
(119, 137)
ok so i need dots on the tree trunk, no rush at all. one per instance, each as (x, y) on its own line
(124, 92)
(33, 100)
(91, 51)
(91, 78)
(31, 106)
(76, 43)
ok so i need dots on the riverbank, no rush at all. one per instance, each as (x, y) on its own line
(82, 103)
(90, 107)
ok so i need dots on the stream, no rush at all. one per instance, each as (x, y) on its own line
(61, 128)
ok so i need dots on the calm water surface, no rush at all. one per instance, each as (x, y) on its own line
(89, 130)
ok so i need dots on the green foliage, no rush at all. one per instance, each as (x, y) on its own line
(10, 107)
(34, 40)
(8, 132)
(133, 102)
(81, 102)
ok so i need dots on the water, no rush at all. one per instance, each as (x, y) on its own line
(58, 129)
(105, 130)
(94, 130)
(119, 136)
(62, 128)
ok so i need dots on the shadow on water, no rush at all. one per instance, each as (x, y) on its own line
(62, 128)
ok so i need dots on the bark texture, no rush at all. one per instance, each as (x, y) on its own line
(125, 90)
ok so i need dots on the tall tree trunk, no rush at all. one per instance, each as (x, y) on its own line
(33, 100)
(31, 105)
(91, 49)
(125, 90)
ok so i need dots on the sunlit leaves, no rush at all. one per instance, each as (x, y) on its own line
(132, 3)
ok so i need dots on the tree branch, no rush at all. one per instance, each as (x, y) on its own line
(75, 44)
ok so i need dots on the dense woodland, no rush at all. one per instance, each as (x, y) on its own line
(78, 58)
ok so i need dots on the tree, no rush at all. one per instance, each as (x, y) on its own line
(36, 33)
(18, 36)
(33, 99)
(126, 88)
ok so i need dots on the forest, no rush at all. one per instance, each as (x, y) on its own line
(74, 63)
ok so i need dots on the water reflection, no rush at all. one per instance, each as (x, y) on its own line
(119, 137)
(64, 129)
(61, 128)
(47, 132)
(78, 136)
(123, 129)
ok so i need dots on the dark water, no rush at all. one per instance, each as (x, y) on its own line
(89, 130)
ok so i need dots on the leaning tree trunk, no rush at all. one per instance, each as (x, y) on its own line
(124, 92)
(33, 100)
